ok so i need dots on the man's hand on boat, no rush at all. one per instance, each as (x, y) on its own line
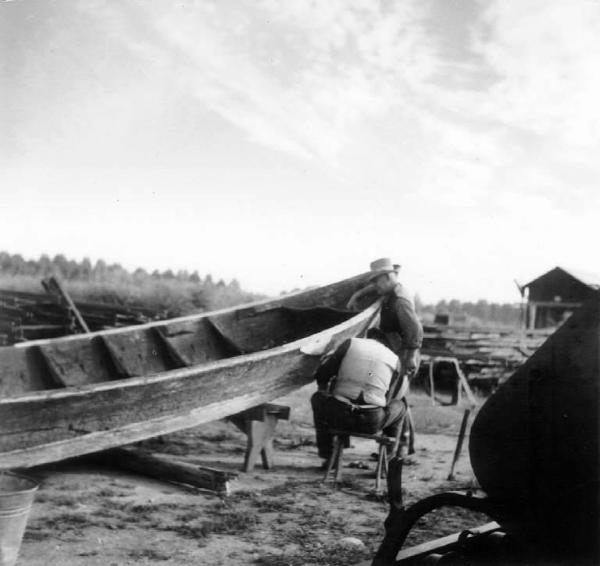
(410, 361)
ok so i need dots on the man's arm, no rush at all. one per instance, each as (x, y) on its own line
(331, 366)
(366, 290)
(398, 384)
(411, 331)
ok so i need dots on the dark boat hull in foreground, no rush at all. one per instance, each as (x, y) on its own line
(80, 394)
(535, 444)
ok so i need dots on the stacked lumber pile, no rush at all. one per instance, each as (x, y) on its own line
(488, 356)
(29, 316)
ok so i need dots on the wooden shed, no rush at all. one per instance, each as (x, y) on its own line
(553, 296)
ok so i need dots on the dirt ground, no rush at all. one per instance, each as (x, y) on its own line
(90, 516)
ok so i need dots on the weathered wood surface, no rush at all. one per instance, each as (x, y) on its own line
(31, 316)
(459, 443)
(535, 445)
(167, 469)
(492, 354)
(98, 408)
(53, 285)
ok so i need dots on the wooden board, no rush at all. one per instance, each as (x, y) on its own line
(168, 468)
(23, 370)
(73, 367)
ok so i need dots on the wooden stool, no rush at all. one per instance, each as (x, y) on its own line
(258, 423)
(334, 465)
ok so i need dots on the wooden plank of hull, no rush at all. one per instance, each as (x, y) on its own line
(139, 352)
(23, 370)
(73, 367)
(195, 340)
(52, 425)
(252, 331)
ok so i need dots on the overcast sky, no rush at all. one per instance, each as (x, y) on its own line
(288, 143)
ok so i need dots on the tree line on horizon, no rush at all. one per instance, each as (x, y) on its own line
(174, 293)
(473, 313)
(166, 292)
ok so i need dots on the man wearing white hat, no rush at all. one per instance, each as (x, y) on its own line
(398, 316)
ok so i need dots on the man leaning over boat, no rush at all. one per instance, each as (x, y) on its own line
(398, 317)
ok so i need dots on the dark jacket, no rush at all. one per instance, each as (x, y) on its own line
(398, 315)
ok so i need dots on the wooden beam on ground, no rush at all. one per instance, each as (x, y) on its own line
(162, 468)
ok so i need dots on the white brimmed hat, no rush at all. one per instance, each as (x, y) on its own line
(382, 266)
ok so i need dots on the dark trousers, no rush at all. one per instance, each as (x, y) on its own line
(329, 412)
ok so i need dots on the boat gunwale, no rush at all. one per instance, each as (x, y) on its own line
(192, 371)
(186, 318)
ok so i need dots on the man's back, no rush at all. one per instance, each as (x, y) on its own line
(366, 372)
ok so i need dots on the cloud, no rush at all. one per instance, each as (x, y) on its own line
(295, 76)
(530, 126)
(546, 56)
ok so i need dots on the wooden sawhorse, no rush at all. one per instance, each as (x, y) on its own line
(258, 424)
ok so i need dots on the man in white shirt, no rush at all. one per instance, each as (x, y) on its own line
(359, 399)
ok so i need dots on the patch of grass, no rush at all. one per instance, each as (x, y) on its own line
(316, 554)
(63, 500)
(232, 522)
(74, 520)
(109, 492)
(69, 486)
(377, 497)
(121, 484)
(106, 513)
(148, 554)
(220, 436)
(42, 497)
(185, 520)
(427, 477)
(37, 534)
(294, 442)
(350, 483)
(264, 502)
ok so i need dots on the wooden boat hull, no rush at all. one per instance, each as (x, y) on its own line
(48, 425)
(535, 445)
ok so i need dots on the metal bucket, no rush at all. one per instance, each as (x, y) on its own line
(16, 497)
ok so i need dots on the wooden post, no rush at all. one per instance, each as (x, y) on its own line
(463, 380)
(532, 314)
(459, 443)
(332, 458)
(431, 380)
(53, 285)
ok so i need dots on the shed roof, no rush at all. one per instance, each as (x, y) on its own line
(592, 280)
